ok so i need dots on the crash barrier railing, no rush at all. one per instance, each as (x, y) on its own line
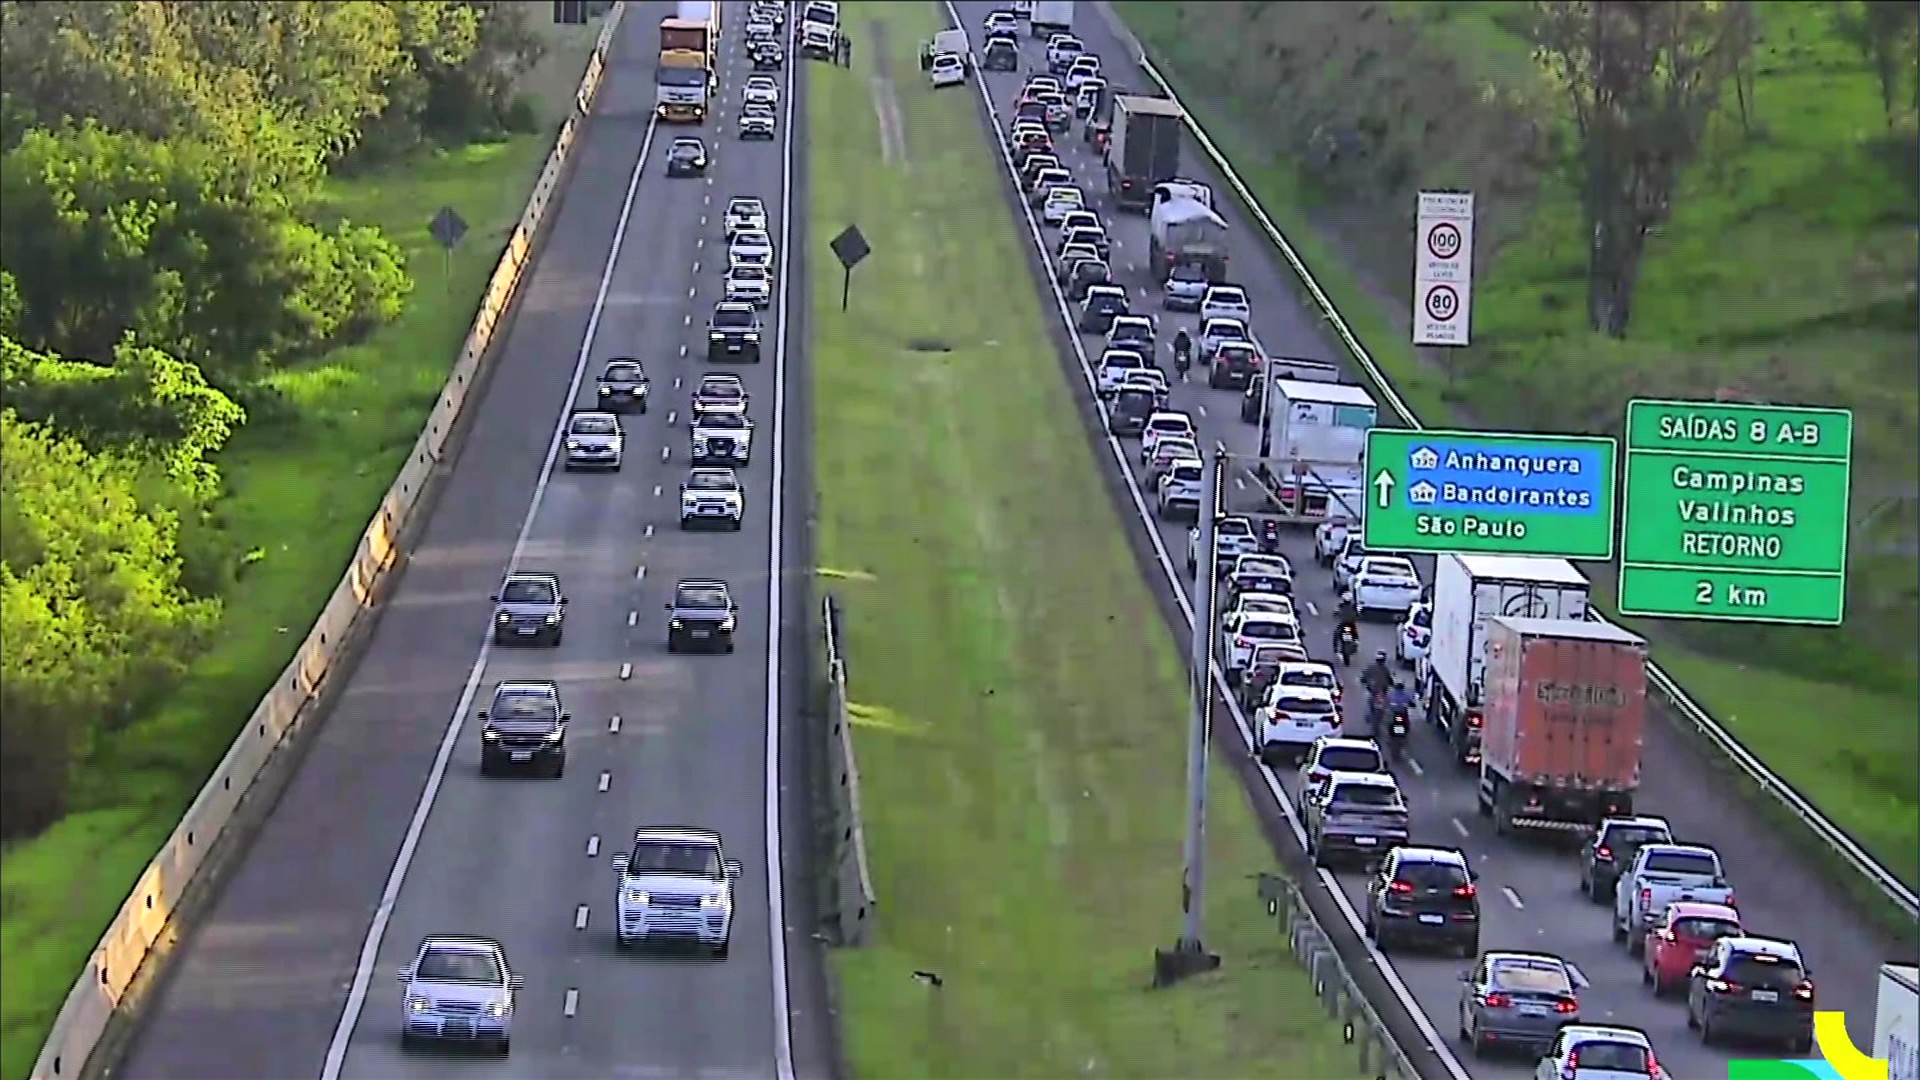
(287, 715)
(1677, 699)
(848, 882)
(1360, 1025)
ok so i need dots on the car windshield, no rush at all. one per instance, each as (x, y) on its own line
(1309, 677)
(700, 597)
(745, 209)
(708, 481)
(760, 83)
(527, 592)
(459, 966)
(709, 421)
(1704, 928)
(1696, 863)
(1366, 795)
(1293, 703)
(753, 239)
(693, 76)
(1423, 618)
(1350, 759)
(1633, 836)
(1188, 272)
(1233, 527)
(595, 425)
(1535, 976)
(1612, 1056)
(725, 391)
(512, 705)
(668, 857)
(732, 317)
(1134, 402)
(747, 272)
(1189, 474)
(1432, 875)
(1174, 449)
(688, 149)
(1390, 568)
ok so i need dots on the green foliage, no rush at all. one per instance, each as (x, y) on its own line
(90, 608)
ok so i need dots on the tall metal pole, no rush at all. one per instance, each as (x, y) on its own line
(1193, 886)
(1266, 415)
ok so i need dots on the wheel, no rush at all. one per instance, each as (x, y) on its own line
(685, 524)
(729, 646)
(486, 765)
(408, 1043)
(1470, 948)
(559, 635)
(1619, 931)
(1636, 945)
(558, 770)
(735, 527)
(643, 405)
(720, 950)
(503, 1046)
(672, 645)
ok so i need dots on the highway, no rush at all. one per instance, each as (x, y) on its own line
(1529, 894)
(388, 833)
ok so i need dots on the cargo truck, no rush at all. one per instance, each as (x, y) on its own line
(1143, 148)
(1050, 17)
(1319, 441)
(1566, 709)
(1185, 232)
(1467, 591)
(686, 74)
(1896, 1021)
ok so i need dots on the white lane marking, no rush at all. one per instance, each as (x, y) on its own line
(1313, 609)
(656, 487)
(606, 779)
(776, 894)
(1239, 483)
(1458, 825)
(1414, 764)
(640, 573)
(1513, 897)
(671, 416)
(571, 1006)
(696, 269)
(613, 724)
(633, 617)
(647, 533)
(676, 378)
(664, 451)
(593, 846)
(626, 671)
(580, 917)
(396, 879)
(1401, 993)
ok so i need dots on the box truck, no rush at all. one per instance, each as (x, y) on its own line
(1896, 1021)
(1467, 591)
(1143, 148)
(1050, 17)
(1566, 710)
(685, 74)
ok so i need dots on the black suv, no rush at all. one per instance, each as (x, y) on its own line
(1426, 895)
(701, 616)
(623, 385)
(529, 608)
(525, 725)
(1753, 988)
(733, 331)
(1610, 850)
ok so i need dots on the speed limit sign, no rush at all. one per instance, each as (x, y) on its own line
(1443, 268)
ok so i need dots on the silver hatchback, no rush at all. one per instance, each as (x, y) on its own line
(1518, 1001)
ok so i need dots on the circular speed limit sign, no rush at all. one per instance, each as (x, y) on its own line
(1442, 303)
(1443, 240)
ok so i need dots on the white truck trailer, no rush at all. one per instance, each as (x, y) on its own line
(1896, 1021)
(1467, 591)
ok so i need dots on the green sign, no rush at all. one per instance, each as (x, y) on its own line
(1489, 492)
(1735, 512)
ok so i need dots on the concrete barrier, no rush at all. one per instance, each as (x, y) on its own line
(288, 711)
(850, 903)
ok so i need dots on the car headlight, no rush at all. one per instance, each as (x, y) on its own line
(713, 900)
(556, 734)
(675, 624)
(489, 734)
(573, 444)
(605, 390)
(753, 335)
(553, 617)
(638, 896)
(496, 1008)
(504, 616)
(418, 1004)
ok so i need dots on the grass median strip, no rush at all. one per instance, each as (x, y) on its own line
(1019, 705)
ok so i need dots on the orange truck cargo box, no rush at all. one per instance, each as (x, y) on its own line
(1566, 706)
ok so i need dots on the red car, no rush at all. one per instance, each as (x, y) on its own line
(1677, 942)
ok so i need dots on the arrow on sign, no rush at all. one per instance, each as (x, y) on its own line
(1383, 484)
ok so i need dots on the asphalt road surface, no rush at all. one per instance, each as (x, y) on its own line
(1529, 893)
(388, 833)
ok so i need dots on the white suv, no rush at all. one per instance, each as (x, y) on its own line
(1179, 491)
(675, 886)
(459, 989)
(712, 497)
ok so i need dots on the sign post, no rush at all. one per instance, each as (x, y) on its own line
(1443, 269)
(849, 247)
(1736, 512)
(1489, 492)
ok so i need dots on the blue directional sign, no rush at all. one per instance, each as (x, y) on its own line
(1491, 492)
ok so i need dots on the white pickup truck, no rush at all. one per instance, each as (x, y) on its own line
(1663, 874)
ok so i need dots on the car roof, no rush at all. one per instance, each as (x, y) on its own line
(720, 377)
(526, 686)
(1700, 909)
(746, 202)
(1596, 1032)
(1222, 288)
(1106, 290)
(1637, 820)
(1423, 853)
(534, 575)
(1343, 742)
(1363, 779)
(700, 582)
(688, 140)
(1749, 944)
(676, 833)
(1223, 320)
(1524, 956)
(713, 470)
(1679, 849)
(597, 414)
(461, 942)
(1319, 667)
(734, 305)
(1169, 414)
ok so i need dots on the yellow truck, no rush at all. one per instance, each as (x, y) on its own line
(689, 51)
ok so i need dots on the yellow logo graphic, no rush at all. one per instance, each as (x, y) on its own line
(1836, 1046)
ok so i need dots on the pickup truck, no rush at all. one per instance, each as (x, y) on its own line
(1355, 815)
(1663, 874)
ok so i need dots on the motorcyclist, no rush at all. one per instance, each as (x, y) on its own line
(1399, 699)
(1377, 680)
(1346, 620)
(1182, 350)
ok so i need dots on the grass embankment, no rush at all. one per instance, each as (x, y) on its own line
(1019, 704)
(1783, 267)
(299, 493)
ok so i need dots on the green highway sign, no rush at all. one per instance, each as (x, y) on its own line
(1735, 512)
(1489, 492)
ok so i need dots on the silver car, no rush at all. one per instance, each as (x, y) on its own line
(1518, 1000)
(675, 887)
(529, 608)
(749, 284)
(1184, 289)
(595, 441)
(459, 989)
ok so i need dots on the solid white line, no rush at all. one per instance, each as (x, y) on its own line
(390, 894)
(776, 897)
(1434, 1040)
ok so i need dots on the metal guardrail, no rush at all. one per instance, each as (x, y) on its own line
(1677, 698)
(1333, 984)
(849, 903)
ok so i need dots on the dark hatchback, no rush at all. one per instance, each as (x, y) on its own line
(1131, 407)
(1424, 896)
(623, 386)
(1752, 988)
(700, 617)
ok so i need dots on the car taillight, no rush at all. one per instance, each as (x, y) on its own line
(1804, 991)
(1465, 892)
(1572, 1067)
(1400, 886)
(1667, 935)
(1566, 1005)
(1317, 775)
(1474, 719)
(1497, 1000)
(1730, 901)
(1646, 897)
(1603, 853)
(1723, 986)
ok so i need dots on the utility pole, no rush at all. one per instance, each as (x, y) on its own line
(1189, 955)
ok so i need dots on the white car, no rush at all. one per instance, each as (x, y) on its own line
(1178, 493)
(1169, 453)
(712, 497)
(752, 247)
(1001, 22)
(1084, 68)
(947, 70)
(1347, 563)
(1415, 635)
(1311, 673)
(760, 90)
(675, 886)
(1328, 538)
(756, 122)
(1386, 583)
(1115, 366)
(747, 283)
(458, 989)
(1232, 537)
(722, 438)
(1257, 563)
(1293, 718)
(1062, 51)
(1152, 380)
(1243, 632)
(1217, 332)
(594, 441)
(1251, 603)
(715, 394)
(1060, 202)
(1599, 1052)
(1042, 84)
(1226, 302)
(1330, 754)
(1163, 425)
(745, 214)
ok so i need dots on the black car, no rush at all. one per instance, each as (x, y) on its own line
(1085, 275)
(623, 385)
(531, 609)
(733, 331)
(1001, 55)
(1099, 307)
(1234, 366)
(1610, 850)
(701, 616)
(687, 157)
(1754, 988)
(524, 726)
(1425, 895)
(1131, 407)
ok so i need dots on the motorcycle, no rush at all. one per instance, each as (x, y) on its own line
(1347, 642)
(1270, 537)
(1396, 740)
(1182, 359)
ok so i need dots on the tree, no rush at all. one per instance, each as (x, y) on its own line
(1887, 33)
(91, 609)
(1644, 78)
